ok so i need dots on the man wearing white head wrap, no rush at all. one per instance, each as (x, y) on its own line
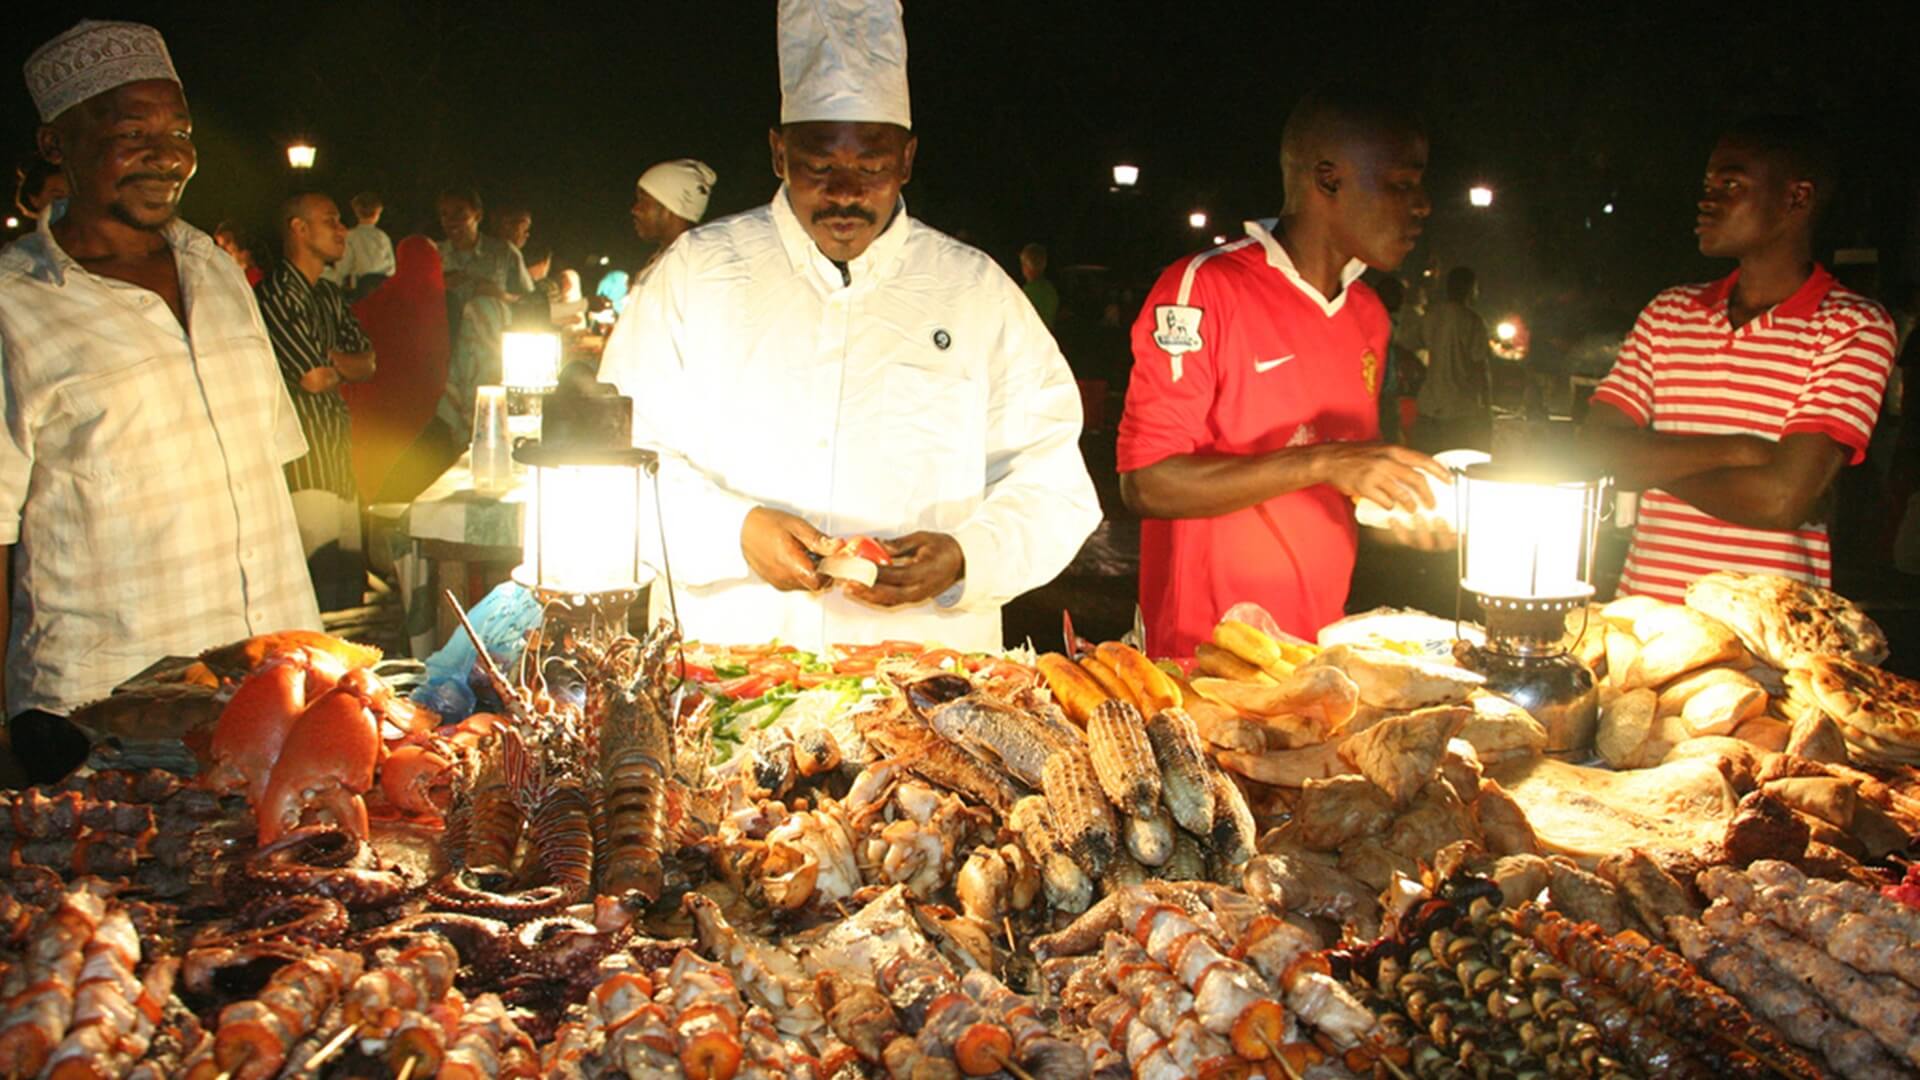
(143, 506)
(671, 198)
(877, 378)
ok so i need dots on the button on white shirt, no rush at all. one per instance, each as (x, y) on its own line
(140, 471)
(924, 394)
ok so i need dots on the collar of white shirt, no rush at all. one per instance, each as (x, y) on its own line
(1278, 258)
(880, 259)
(51, 261)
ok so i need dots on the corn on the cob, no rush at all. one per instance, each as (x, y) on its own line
(1211, 659)
(1183, 769)
(1076, 691)
(1108, 679)
(1123, 873)
(1150, 839)
(1152, 689)
(1082, 820)
(1233, 837)
(1123, 758)
(1067, 886)
(1188, 862)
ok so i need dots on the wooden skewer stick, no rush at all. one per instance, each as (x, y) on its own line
(1008, 1064)
(1397, 1071)
(246, 1054)
(1006, 923)
(406, 1068)
(334, 1045)
(1285, 1065)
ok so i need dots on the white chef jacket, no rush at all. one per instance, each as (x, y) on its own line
(919, 392)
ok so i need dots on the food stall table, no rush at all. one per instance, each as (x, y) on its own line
(459, 538)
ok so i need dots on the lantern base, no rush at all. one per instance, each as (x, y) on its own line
(586, 614)
(1558, 691)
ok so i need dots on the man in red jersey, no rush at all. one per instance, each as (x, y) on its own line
(1735, 403)
(1251, 421)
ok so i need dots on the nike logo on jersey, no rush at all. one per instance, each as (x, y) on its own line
(1261, 367)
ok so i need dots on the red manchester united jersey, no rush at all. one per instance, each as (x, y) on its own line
(1235, 354)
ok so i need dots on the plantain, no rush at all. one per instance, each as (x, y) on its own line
(1211, 659)
(1076, 691)
(1108, 679)
(1151, 689)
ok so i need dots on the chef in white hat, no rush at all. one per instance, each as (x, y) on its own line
(143, 505)
(671, 198)
(827, 367)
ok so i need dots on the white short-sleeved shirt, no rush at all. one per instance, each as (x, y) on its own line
(141, 476)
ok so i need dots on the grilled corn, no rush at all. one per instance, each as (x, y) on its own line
(1150, 839)
(1233, 827)
(1123, 758)
(1082, 820)
(1182, 763)
(1067, 886)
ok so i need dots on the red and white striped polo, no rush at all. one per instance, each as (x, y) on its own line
(1816, 362)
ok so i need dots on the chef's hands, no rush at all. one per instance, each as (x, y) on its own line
(925, 564)
(778, 546)
(1389, 475)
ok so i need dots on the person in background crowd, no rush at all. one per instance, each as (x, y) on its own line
(669, 199)
(1735, 403)
(892, 382)
(405, 319)
(38, 184)
(514, 224)
(1253, 412)
(1040, 291)
(1393, 376)
(539, 260)
(320, 346)
(143, 507)
(233, 239)
(1456, 394)
(484, 277)
(369, 257)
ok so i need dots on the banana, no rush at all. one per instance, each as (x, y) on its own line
(1076, 691)
(1152, 689)
(1211, 659)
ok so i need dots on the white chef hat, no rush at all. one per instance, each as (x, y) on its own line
(843, 60)
(682, 186)
(92, 58)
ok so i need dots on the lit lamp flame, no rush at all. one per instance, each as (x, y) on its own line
(300, 155)
(529, 361)
(1480, 195)
(1126, 175)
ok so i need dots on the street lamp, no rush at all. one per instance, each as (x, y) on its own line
(1126, 175)
(1197, 219)
(1219, 238)
(300, 154)
(1480, 195)
(1506, 331)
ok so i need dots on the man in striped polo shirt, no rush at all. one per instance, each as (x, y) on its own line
(1735, 403)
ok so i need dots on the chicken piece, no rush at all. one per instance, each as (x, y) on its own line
(1401, 753)
(1763, 827)
(1437, 818)
(1334, 811)
(1585, 897)
(1373, 864)
(1503, 824)
(1653, 894)
(1521, 878)
(1501, 730)
(1316, 889)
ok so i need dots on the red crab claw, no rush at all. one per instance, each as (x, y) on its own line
(325, 764)
(235, 660)
(254, 723)
(417, 779)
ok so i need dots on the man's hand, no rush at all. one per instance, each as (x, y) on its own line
(776, 545)
(925, 564)
(320, 380)
(1389, 475)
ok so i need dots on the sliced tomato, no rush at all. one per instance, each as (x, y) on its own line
(810, 679)
(778, 668)
(746, 687)
(939, 658)
(700, 673)
(856, 665)
(866, 547)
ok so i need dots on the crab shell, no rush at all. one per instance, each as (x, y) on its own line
(325, 764)
(417, 779)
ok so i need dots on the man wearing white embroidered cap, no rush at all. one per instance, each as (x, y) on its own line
(671, 198)
(142, 502)
(826, 368)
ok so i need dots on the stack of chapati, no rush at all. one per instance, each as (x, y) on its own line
(1877, 712)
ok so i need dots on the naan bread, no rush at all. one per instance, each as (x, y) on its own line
(1878, 703)
(1592, 813)
(1395, 681)
(1788, 623)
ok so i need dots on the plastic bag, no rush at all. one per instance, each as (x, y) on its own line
(502, 620)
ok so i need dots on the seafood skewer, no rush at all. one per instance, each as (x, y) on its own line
(40, 991)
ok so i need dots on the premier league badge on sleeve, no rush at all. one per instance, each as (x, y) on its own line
(1176, 329)
(1370, 371)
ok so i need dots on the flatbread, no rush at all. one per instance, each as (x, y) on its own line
(1879, 704)
(1788, 623)
(1588, 814)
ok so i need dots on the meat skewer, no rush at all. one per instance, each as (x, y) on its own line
(40, 991)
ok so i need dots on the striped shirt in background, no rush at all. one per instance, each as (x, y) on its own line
(1816, 362)
(307, 324)
(140, 471)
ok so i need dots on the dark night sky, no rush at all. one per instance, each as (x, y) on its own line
(1023, 106)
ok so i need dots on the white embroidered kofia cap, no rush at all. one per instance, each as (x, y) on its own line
(682, 186)
(843, 60)
(92, 58)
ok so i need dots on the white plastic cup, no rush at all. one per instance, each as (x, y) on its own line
(492, 459)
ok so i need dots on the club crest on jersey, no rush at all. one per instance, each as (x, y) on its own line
(1176, 329)
(1370, 371)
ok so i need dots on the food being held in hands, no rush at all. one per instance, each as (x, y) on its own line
(857, 559)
